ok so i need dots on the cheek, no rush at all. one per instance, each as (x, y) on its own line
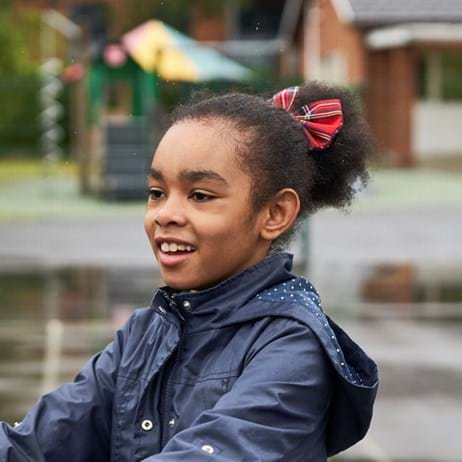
(148, 222)
(224, 230)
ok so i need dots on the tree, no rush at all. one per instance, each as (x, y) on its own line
(10, 44)
(127, 14)
(18, 39)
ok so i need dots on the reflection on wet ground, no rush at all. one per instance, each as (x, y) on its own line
(396, 290)
(408, 318)
(53, 320)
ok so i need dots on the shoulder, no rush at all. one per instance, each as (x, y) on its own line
(328, 356)
(142, 317)
(297, 300)
(287, 342)
(141, 323)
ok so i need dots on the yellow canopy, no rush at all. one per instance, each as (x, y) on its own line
(159, 48)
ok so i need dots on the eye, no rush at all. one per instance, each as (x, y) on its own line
(155, 194)
(199, 196)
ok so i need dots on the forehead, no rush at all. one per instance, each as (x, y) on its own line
(194, 145)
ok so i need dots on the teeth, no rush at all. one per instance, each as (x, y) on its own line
(174, 247)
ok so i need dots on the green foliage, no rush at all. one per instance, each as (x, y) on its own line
(19, 127)
(10, 44)
(19, 86)
(19, 33)
(264, 82)
(128, 14)
(19, 81)
(27, 24)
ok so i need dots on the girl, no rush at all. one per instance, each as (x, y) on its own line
(235, 359)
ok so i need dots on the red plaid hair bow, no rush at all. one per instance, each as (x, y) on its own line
(321, 120)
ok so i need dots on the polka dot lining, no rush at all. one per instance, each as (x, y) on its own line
(301, 291)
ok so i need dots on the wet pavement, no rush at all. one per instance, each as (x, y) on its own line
(390, 272)
(418, 413)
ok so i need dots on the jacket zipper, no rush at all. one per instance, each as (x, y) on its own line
(167, 395)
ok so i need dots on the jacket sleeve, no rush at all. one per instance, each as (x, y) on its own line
(73, 422)
(276, 410)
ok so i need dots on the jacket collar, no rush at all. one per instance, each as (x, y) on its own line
(209, 308)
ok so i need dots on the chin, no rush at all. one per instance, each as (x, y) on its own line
(177, 283)
(184, 285)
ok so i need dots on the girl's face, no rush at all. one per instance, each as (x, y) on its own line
(199, 219)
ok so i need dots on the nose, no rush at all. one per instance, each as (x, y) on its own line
(169, 214)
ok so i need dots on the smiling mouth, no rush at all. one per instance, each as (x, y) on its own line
(173, 253)
(175, 247)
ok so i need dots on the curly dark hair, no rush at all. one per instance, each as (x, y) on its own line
(273, 149)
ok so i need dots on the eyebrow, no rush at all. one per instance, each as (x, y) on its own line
(192, 176)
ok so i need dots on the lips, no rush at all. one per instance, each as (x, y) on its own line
(173, 251)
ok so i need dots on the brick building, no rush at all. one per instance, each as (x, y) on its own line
(406, 58)
(260, 33)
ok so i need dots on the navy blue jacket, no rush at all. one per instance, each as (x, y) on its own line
(249, 370)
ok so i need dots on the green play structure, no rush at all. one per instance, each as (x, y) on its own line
(120, 100)
(142, 84)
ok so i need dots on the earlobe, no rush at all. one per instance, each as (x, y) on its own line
(281, 214)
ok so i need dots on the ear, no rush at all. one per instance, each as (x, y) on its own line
(280, 214)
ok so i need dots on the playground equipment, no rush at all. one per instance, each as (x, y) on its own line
(53, 22)
(51, 88)
(120, 98)
(122, 89)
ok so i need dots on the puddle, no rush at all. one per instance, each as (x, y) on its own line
(406, 283)
(407, 290)
(52, 321)
(423, 291)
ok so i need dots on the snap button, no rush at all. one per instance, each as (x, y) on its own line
(162, 309)
(146, 425)
(171, 422)
(208, 449)
(186, 305)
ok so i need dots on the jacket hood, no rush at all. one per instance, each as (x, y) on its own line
(270, 289)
